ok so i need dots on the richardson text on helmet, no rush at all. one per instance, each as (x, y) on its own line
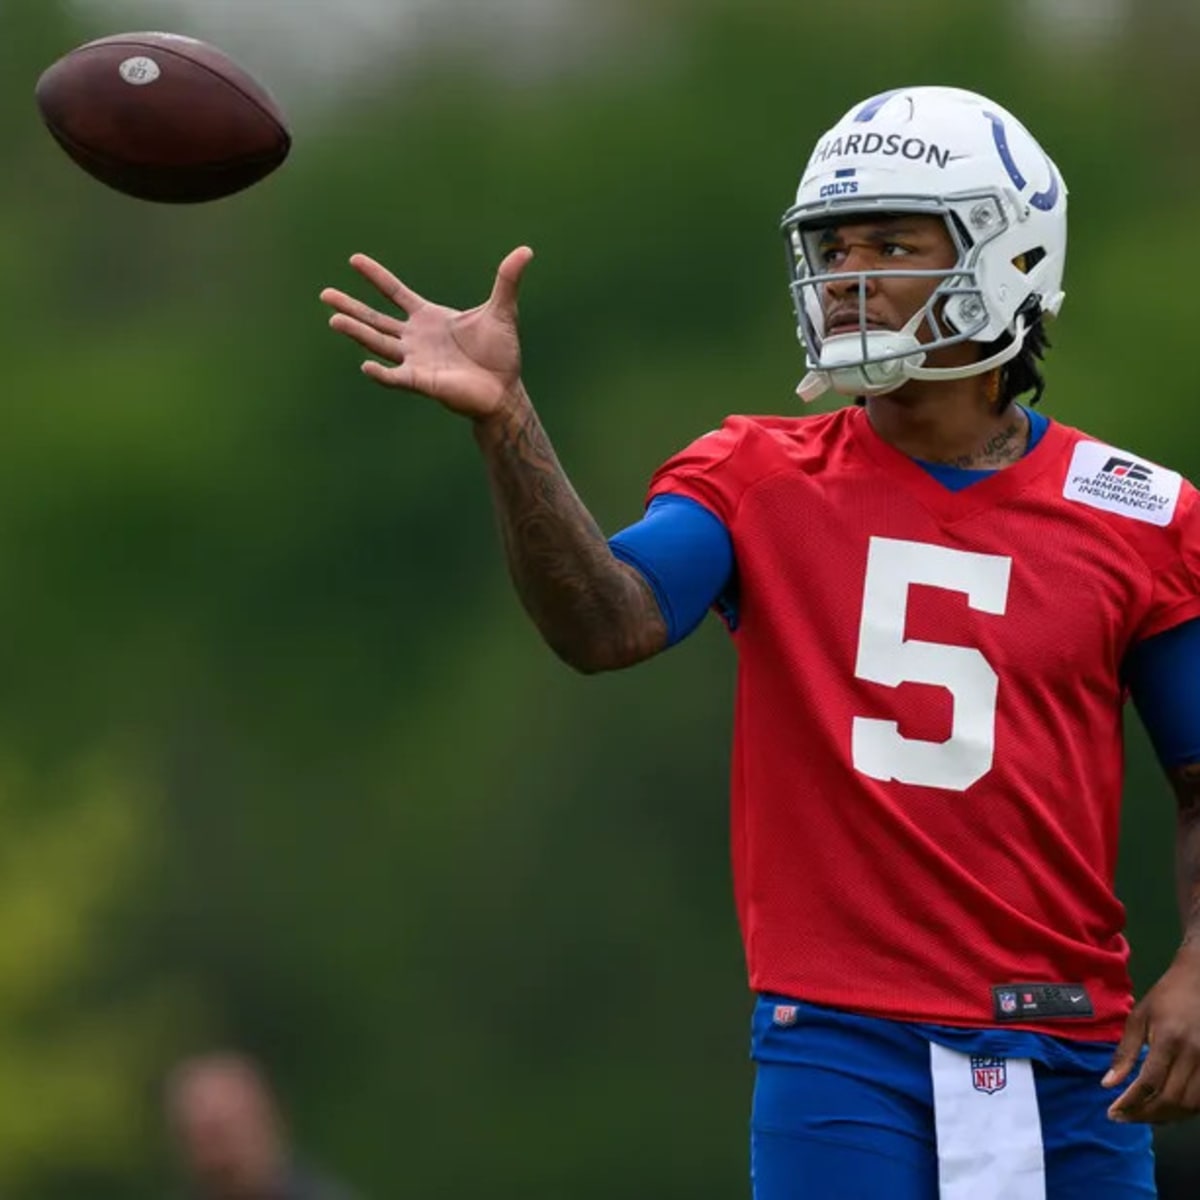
(891, 145)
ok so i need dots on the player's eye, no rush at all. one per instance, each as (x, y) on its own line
(830, 256)
(895, 250)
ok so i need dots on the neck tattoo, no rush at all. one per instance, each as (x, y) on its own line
(999, 450)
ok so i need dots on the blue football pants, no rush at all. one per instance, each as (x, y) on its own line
(856, 1108)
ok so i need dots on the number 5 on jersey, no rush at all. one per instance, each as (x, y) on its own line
(885, 656)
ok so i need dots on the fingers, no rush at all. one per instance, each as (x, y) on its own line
(1156, 1108)
(1130, 1046)
(1171, 1098)
(1191, 1094)
(362, 312)
(1165, 1085)
(503, 297)
(1129, 1105)
(398, 377)
(384, 345)
(382, 279)
(508, 280)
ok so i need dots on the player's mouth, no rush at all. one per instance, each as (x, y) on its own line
(851, 322)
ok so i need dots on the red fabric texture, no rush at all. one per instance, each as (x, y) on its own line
(911, 897)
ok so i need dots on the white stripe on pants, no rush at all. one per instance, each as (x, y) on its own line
(989, 1132)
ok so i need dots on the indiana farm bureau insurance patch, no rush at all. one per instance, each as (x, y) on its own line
(1117, 482)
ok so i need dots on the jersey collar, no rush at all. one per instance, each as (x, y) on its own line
(944, 504)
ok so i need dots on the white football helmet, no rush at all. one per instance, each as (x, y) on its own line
(949, 153)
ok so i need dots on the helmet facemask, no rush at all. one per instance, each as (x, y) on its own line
(876, 361)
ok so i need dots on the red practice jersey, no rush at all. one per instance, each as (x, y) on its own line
(928, 758)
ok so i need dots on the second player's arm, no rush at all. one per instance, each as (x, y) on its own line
(596, 612)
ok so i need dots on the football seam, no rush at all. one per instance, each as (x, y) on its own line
(147, 50)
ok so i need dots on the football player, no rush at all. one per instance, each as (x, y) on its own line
(939, 599)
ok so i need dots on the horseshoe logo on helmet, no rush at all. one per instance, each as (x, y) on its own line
(1042, 200)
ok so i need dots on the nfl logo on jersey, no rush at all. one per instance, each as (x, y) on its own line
(785, 1015)
(1008, 1002)
(988, 1074)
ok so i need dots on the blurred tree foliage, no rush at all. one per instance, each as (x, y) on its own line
(283, 764)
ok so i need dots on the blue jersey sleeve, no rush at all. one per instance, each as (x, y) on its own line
(1163, 674)
(685, 554)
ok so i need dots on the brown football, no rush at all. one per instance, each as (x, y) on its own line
(162, 117)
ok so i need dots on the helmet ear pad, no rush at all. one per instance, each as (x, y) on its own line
(1005, 282)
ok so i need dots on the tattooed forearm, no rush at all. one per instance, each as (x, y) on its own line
(595, 612)
(1186, 782)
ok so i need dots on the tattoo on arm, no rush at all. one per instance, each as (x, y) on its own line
(594, 611)
(1186, 782)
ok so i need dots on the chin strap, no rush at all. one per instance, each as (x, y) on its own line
(856, 381)
(987, 364)
(813, 386)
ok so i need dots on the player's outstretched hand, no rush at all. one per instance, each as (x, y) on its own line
(1167, 1088)
(468, 361)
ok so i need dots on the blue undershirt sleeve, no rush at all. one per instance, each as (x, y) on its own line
(1163, 674)
(685, 554)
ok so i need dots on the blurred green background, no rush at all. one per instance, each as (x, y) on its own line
(282, 764)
